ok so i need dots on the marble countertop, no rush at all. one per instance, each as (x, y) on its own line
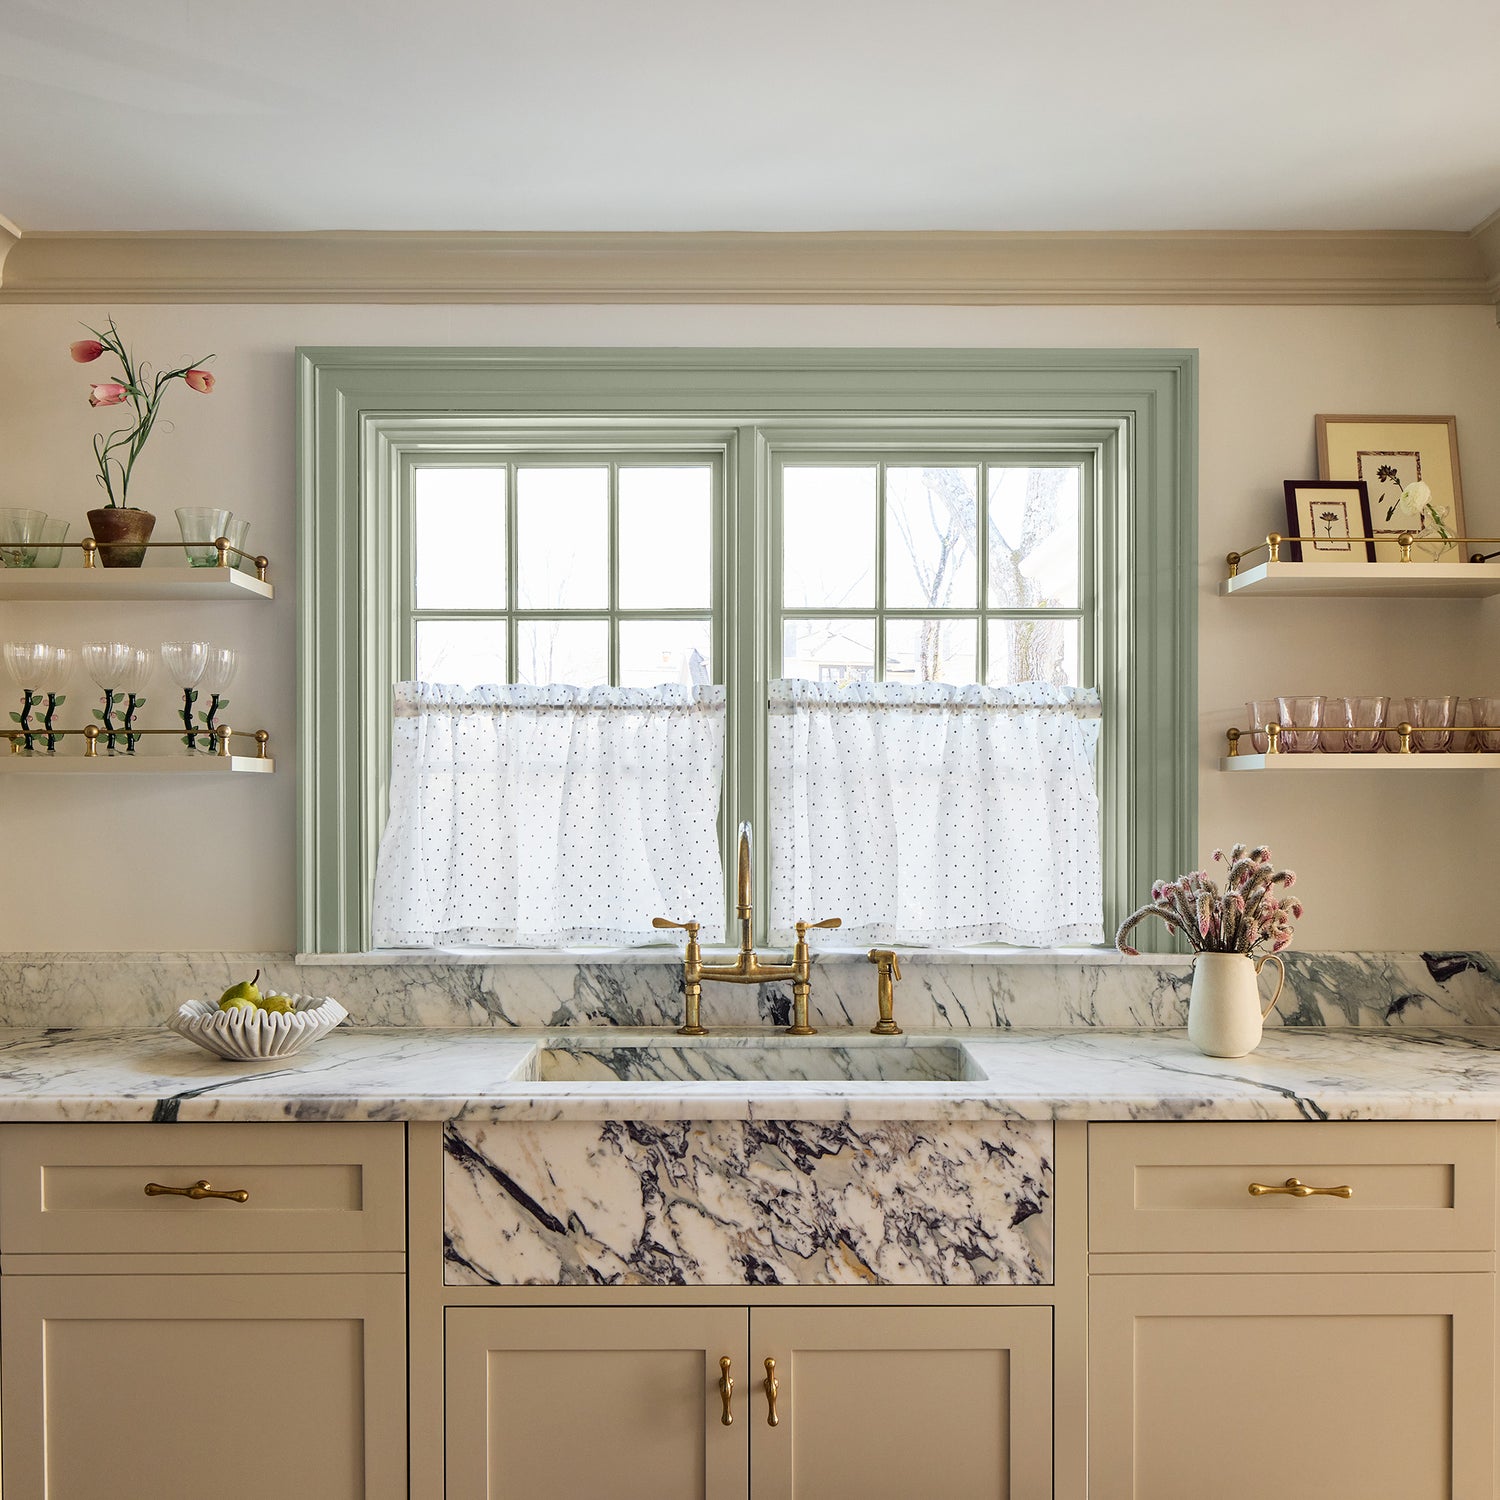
(481, 1075)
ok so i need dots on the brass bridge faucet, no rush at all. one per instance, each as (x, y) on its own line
(747, 968)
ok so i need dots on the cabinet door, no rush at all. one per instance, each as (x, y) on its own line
(892, 1403)
(180, 1387)
(1304, 1387)
(574, 1402)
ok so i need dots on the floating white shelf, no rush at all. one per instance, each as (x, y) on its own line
(1367, 580)
(73, 762)
(1377, 761)
(80, 585)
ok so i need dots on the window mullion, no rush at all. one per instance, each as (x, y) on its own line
(614, 573)
(880, 549)
(512, 572)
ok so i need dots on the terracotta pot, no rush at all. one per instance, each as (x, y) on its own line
(116, 524)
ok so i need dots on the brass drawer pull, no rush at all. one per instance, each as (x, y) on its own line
(1294, 1189)
(726, 1391)
(199, 1190)
(772, 1389)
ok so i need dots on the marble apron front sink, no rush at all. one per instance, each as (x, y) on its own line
(781, 1060)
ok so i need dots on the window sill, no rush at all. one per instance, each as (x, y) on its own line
(672, 956)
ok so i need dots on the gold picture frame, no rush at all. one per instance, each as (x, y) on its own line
(1388, 454)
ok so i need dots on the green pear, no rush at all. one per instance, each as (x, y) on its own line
(238, 996)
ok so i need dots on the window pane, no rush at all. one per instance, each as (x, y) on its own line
(460, 526)
(1034, 555)
(829, 650)
(657, 651)
(931, 531)
(1034, 651)
(468, 653)
(931, 650)
(666, 529)
(828, 537)
(575, 652)
(562, 538)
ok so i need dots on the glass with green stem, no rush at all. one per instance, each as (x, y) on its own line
(185, 662)
(107, 663)
(218, 673)
(27, 662)
(133, 685)
(59, 675)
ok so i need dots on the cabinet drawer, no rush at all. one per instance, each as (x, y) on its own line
(1414, 1187)
(81, 1189)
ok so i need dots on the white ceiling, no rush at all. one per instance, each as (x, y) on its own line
(727, 114)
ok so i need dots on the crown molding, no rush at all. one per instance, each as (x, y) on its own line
(9, 238)
(1487, 239)
(952, 267)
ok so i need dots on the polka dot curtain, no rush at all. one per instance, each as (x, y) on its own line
(545, 816)
(936, 814)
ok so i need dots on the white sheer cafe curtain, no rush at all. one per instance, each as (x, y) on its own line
(936, 814)
(550, 815)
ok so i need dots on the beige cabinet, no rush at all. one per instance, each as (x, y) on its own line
(894, 1403)
(564, 1403)
(885, 1403)
(179, 1387)
(1379, 1387)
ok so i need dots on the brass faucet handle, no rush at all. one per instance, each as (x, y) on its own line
(803, 928)
(888, 965)
(691, 928)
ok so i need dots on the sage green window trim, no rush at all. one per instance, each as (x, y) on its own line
(1130, 416)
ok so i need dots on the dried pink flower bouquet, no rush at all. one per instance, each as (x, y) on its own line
(1246, 917)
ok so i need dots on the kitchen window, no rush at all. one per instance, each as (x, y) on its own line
(627, 518)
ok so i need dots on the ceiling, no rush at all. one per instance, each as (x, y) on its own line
(777, 115)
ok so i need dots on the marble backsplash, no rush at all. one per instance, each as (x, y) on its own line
(938, 992)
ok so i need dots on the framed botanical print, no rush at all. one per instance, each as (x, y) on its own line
(1410, 468)
(1332, 516)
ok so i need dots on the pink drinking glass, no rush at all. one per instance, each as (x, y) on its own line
(1307, 715)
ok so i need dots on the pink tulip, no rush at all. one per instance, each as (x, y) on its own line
(86, 350)
(108, 394)
(200, 380)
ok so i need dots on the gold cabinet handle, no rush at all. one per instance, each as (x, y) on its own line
(1294, 1189)
(726, 1391)
(772, 1389)
(198, 1191)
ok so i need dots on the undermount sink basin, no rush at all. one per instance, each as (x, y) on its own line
(767, 1062)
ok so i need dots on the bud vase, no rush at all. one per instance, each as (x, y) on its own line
(1224, 1012)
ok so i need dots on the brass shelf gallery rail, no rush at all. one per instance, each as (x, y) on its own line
(90, 547)
(1403, 732)
(1405, 540)
(20, 740)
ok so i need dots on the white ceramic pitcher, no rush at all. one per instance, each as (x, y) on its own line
(1225, 1018)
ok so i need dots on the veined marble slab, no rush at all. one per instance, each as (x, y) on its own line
(1395, 991)
(748, 1203)
(482, 1077)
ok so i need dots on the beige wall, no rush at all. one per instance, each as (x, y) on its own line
(1385, 863)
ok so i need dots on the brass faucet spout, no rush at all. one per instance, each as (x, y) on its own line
(743, 897)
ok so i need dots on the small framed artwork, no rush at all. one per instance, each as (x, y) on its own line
(1333, 518)
(1410, 468)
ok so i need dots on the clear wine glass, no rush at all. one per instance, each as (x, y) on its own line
(59, 676)
(185, 661)
(28, 663)
(133, 685)
(218, 673)
(107, 662)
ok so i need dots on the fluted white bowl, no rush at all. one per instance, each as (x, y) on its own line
(244, 1035)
